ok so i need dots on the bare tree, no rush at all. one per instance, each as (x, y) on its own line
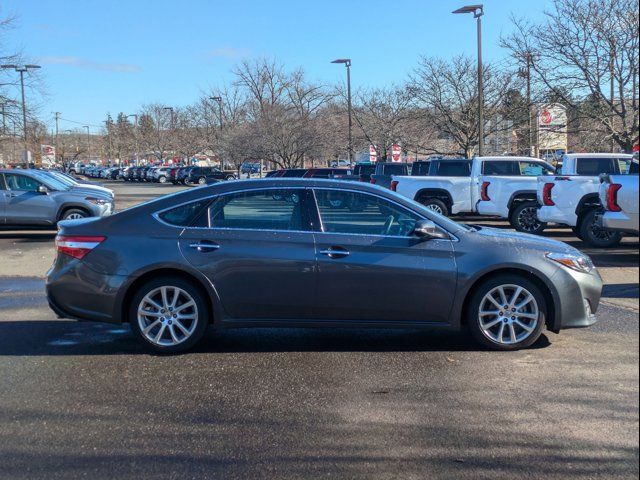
(590, 58)
(155, 128)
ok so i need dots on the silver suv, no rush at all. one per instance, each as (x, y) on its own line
(33, 198)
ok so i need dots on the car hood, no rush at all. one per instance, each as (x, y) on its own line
(92, 190)
(526, 241)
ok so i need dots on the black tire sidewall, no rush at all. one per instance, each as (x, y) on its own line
(197, 295)
(474, 306)
(585, 233)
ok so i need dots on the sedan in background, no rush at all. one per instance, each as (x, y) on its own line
(277, 253)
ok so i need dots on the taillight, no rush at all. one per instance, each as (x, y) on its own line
(394, 185)
(372, 181)
(612, 197)
(546, 194)
(484, 192)
(77, 246)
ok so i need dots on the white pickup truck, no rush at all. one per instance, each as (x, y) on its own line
(619, 196)
(455, 193)
(571, 197)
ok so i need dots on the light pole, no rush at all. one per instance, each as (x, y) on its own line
(347, 63)
(135, 133)
(478, 11)
(219, 101)
(88, 144)
(171, 129)
(22, 69)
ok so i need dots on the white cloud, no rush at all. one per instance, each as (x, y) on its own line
(82, 63)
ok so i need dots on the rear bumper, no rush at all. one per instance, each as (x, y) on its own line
(76, 291)
(553, 214)
(490, 208)
(618, 221)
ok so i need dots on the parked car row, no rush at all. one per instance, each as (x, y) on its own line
(186, 175)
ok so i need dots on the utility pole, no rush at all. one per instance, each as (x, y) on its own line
(135, 134)
(347, 64)
(57, 117)
(219, 101)
(4, 119)
(88, 144)
(612, 90)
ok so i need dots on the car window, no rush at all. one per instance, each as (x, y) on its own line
(451, 168)
(395, 169)
(184, 215)
(293, 173)
(366, 169)
(533, 169)
(500, 167)
(420, 169)
(21, 182)
(624, 164)
(259, 210)
(2, 184)
(594, 166)
(359, 213)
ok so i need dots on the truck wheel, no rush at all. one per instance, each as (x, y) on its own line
(594, 235)
(524, 218)
(436, 205)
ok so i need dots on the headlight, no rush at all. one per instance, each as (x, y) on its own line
(97, 201)
(579, 263)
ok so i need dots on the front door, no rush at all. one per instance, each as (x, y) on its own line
(370, 267)
(258, 252)
(25, 205)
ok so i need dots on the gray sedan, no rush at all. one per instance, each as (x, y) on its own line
(33, 198)
(313, 253)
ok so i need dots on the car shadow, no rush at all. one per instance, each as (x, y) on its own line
(68, 338)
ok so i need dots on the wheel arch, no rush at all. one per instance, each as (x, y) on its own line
(552, 298)
(589, 201)
(68, 206)
(439, 193)
(132, 288)
(520, 196)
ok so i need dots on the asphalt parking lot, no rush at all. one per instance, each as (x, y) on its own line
(85, 400)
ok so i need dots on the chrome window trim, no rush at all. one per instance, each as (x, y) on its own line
(452, 237)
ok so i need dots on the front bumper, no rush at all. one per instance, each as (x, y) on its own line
(579, 297)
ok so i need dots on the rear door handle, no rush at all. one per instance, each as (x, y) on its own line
(204, 246)
(335, 252)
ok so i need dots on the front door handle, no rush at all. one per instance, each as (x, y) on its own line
(335, 252)
(204, 246)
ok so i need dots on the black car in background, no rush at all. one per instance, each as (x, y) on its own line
(203, 175)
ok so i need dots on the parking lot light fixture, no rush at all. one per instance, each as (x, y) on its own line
(347, 64)
(478, 12)
(219, 101)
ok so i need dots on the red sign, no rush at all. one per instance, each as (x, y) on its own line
(545, 117)
(396, 151)
(373, 154)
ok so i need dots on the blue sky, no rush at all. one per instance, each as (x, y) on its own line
(111, 56)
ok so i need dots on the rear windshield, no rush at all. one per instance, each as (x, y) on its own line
(452, 168)
(420, 169)
(298, 172)
(395, 169)
(595, 166)
(364, 169)
(500, 167)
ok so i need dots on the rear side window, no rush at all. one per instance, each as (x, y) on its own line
(189, 215)
(533, 169)
(453, 169)
(395, 169)
(260, 210)
(364, 169)
(595, 166)
(501, 168)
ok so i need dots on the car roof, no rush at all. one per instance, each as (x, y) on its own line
(598, 155)
(512, 158)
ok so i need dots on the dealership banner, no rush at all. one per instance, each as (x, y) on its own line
(373, 154)
(552, 127)
(396, 153)
(48, 154)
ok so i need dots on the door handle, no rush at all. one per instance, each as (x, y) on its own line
(335, 252)
(204, 246)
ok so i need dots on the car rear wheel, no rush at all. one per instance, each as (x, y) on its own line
(507, 312)
(169, 314)
(202, 181)
(74, 214)
(594, 235)
(436, 205)
(162, 179)
(524, 218)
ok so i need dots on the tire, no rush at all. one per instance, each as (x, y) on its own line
(74, 214)
(436, 205)
(163, 334)
(524, 218)
(488, 336)
(229, 177)
(162, 179)
(595, 236)
(202, 181)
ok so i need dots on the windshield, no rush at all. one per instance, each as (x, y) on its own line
(63, 178)
(50, 181)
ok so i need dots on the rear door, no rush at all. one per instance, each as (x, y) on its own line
(25, 205)
(257, 250)
(370, 267)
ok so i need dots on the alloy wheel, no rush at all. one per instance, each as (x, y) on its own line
(435, 208)
(528, 219)
(74, 216)
(167, 316)
(508, 314)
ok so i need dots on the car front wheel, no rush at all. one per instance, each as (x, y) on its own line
(506, 312)
(202, 181)
(169, 314)
(74, 214)
(592, 234)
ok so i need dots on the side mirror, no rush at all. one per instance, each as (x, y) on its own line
(43, 190)
(427, 230)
